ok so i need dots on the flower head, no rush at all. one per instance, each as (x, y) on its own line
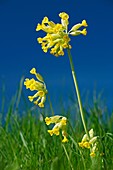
(36, 85)
(57, 35)
(60, 124)
(89, 143)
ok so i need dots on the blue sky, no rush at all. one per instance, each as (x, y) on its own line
(92, 54)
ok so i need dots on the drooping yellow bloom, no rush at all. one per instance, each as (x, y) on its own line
(92, 154)
(57, 35)
(53, 119)
(60, 125)
(89, 143)
(64, 134)
(36, 85)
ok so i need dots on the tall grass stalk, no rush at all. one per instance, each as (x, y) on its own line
(67, 157)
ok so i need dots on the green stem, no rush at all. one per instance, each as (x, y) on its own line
(77, 91)
(67, 157)
(51, 107)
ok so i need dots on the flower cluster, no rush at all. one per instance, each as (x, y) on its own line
(36, 85)
(57, 35)
(57, 39)
(60, 124)
(89, 142)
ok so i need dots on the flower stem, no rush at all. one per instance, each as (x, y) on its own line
(77, 91)
(50, 104)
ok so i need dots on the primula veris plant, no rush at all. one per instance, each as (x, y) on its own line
(60, 125)
(36, 85)
(57, 35)
(57, 39)
(89, 143)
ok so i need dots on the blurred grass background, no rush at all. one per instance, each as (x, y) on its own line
(26, 145)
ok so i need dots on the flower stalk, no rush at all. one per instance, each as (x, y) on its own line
(57, 39)
(77, 91)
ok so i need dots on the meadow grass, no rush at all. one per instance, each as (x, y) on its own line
(25, 143)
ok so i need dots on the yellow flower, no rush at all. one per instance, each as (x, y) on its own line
(54, 131)
(64, 16)
(92, 154)
(64, 134)
(57, 35)
(53, 119)
(60, 124)
(89, 143)
(64, 19)
(65, 139)
(33, 71)
(84, 144)
(36, 85)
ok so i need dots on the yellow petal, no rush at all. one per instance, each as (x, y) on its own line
(48, 120)
(65, 139)
(56, 131)
(33, 71)
(30, 98)
(41, 104)
(92, 154)
(50, 132)
(84, 31)
(84, 23)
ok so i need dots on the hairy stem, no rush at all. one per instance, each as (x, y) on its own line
(77, 91)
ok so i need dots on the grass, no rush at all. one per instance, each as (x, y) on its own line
(26, 145)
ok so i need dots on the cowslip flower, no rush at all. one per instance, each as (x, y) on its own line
(57, 35)
(89, 143)
(60, 125)
(36, 85)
